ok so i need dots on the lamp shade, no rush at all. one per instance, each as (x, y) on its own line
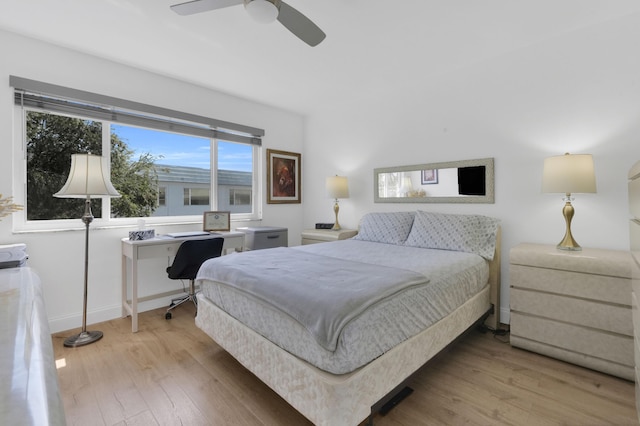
(337, 187)
(88, 177)
(569, 174)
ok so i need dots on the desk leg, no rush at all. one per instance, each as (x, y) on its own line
(130, 309)
(124, 282)
(134, 294)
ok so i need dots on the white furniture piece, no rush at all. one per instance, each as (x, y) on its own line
(574, 306)
(160, 246)
(29, 394)
(634, 234)
(264, 237)
(313, 236)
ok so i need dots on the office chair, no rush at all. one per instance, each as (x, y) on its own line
(190, 256)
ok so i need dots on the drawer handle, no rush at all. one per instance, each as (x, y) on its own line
(271, 237)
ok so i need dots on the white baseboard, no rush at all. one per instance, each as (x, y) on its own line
(74, 321)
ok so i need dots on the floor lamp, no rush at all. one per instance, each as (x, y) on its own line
(88, 177)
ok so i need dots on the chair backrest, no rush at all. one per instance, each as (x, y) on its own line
(191, 255)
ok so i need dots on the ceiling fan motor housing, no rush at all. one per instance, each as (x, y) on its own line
(263, 11)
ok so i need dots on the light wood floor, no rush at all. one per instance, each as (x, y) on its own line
(171, 373)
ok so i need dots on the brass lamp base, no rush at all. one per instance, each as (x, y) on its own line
(84, 338)
(564, 246)
(568, 242)
(336, 209)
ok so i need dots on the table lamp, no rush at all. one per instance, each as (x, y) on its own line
(337, 187)
(569, 174)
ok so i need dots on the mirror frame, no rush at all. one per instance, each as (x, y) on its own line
(489, 198)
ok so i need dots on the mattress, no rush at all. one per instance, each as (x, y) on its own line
(452, 278)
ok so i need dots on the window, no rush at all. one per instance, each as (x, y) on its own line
(163, 166)
(196, 196)
(239, 197)
(162, 196)
(178, 163)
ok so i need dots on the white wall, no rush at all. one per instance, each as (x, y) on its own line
(578, 93)
(58, 256)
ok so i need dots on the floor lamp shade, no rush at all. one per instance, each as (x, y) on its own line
(88, 177)
(337, 187)
(568, 174)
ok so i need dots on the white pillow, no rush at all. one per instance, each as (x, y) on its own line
(457, 232)
(389, 228)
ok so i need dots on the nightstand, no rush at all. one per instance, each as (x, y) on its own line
(574, 306)
(313, 236)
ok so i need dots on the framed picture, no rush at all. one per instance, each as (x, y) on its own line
(283, 177)
(428, 177)
(216, 221)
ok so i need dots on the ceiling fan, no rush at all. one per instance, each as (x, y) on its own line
(262, 11)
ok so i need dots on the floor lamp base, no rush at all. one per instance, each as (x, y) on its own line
(84, 338)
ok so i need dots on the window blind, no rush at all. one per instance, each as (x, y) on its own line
(60, 99)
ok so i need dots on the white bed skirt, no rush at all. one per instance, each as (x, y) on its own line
(324, 398)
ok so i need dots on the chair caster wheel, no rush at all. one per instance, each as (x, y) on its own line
(167, 316)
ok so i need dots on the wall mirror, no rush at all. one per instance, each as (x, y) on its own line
(465, 181)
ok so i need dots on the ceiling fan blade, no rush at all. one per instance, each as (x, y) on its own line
(300, 25)
(198, 6)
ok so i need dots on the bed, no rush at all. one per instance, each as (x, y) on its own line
(399, 292)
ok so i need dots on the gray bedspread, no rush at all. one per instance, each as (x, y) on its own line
(291, 280)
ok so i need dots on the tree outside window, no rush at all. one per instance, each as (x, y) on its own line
(52, 138)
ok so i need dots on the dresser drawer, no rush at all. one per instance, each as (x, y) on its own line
(588, 286)
(581, 312)
(625, 371)
(586, 341)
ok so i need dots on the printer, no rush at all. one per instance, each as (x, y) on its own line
(13, 255)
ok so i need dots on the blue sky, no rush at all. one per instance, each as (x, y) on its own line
(180, 150)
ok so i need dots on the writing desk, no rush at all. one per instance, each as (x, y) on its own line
(160, 246)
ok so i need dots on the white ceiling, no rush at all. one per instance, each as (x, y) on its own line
(373, 47)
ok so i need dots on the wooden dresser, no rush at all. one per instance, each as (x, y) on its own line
(574, 306)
